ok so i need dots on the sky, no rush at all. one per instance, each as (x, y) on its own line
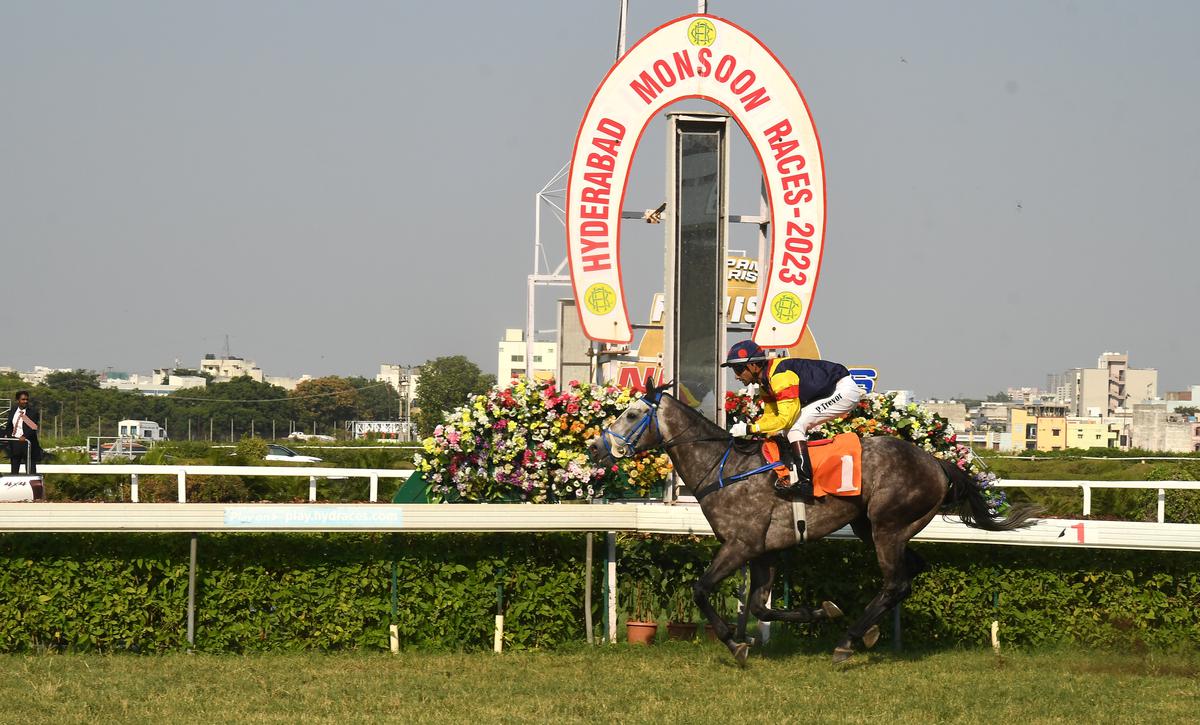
(1011, 185)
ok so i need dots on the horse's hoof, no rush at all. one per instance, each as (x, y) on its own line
(841, 654)
(740, 652)
(832, 611)
(871, 636)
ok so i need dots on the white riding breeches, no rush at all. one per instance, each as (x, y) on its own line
(846, 395)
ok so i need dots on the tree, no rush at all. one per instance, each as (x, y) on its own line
(73, 381)
(445, 384)
(10, 383)
(376, 401)
(999, 398)
(326, 399)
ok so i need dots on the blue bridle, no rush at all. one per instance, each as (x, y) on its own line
(631, 439)
(650, 418)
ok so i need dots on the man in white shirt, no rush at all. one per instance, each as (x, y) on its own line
(22, 424)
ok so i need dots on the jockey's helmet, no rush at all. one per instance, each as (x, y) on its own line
(746, 351)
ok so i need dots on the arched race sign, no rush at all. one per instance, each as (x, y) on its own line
(697, 56)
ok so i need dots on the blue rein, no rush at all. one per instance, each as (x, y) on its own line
(651, 418)
(635, 435)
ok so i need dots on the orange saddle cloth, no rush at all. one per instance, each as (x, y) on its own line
(836, 462)
(837, 465)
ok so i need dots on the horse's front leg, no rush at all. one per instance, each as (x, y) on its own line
(762, 577)
(729, 558)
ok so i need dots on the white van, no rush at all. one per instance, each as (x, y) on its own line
(141, 430)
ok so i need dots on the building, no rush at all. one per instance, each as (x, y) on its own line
(1039, 427)
(510, 362)
(161, 382)
(1110, 388)
(1094, 432)
(224, 369)
(952, 411)
(404, 381)
(1155, 428)
(287, 383)
(992, 416)
(1189, 398)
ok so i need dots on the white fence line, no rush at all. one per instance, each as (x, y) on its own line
(1087, 487)
(181, 473)
(374, 474)
(637, 517)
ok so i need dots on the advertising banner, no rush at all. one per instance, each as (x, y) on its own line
(706, 57)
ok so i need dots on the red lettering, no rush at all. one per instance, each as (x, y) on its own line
(745, 79)
(705, 67)
(725, 68)
(611, 127)
(794, 229)
(606, 144)
(753, 100)
(600, 179)
(594, 195)
(597, 228)
(648, 89)
(683, 64)
(782, 164)
(663, 72)
(778, 131)
(795, 180)
(596, 161)
(795, 196)
(589, 246)
(593, 212)
(597, 263)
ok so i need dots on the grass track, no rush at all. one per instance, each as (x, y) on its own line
(671, 682)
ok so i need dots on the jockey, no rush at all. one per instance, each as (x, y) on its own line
(798, 394)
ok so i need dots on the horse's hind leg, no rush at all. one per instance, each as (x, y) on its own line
(729, 558)
(891, 548)
(762, 576)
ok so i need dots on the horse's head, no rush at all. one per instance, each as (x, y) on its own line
(634, 430)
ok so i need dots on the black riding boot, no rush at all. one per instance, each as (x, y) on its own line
(803, 484)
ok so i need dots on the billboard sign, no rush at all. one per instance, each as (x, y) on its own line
(710, 58)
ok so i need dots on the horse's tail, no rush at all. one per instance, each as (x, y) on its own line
(965, 497)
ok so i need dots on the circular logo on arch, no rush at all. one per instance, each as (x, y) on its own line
(786, 307)
(600, 299)
(702, 32)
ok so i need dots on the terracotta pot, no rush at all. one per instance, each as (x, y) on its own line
(685, 631)
(641, 632)
(709, 633)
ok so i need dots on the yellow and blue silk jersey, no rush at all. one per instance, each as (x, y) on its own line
(790, 383)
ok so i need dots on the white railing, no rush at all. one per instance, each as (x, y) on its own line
(1087, 486)
(374, 474)
(181, 473)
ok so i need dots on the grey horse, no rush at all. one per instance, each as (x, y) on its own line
(903, 488)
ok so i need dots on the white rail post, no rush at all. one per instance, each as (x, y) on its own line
(181, 485)
(374, 487)
(312, 488)
(1162, 505)
(611, 604)
(1087, 499)
(133, 488)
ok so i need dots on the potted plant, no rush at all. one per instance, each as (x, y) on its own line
(682, 624)
(642, 625)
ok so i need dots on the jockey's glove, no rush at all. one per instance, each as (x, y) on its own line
(739, 430)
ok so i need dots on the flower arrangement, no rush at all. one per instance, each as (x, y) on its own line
(879, 414)
(742, 406)
(528, 442)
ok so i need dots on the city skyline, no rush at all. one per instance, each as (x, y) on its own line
(338, 186)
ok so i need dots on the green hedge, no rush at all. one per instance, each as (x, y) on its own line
(261, 592)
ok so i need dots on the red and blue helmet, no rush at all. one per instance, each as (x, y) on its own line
(746, 351)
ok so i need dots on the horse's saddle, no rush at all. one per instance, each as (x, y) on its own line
(836, 463)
